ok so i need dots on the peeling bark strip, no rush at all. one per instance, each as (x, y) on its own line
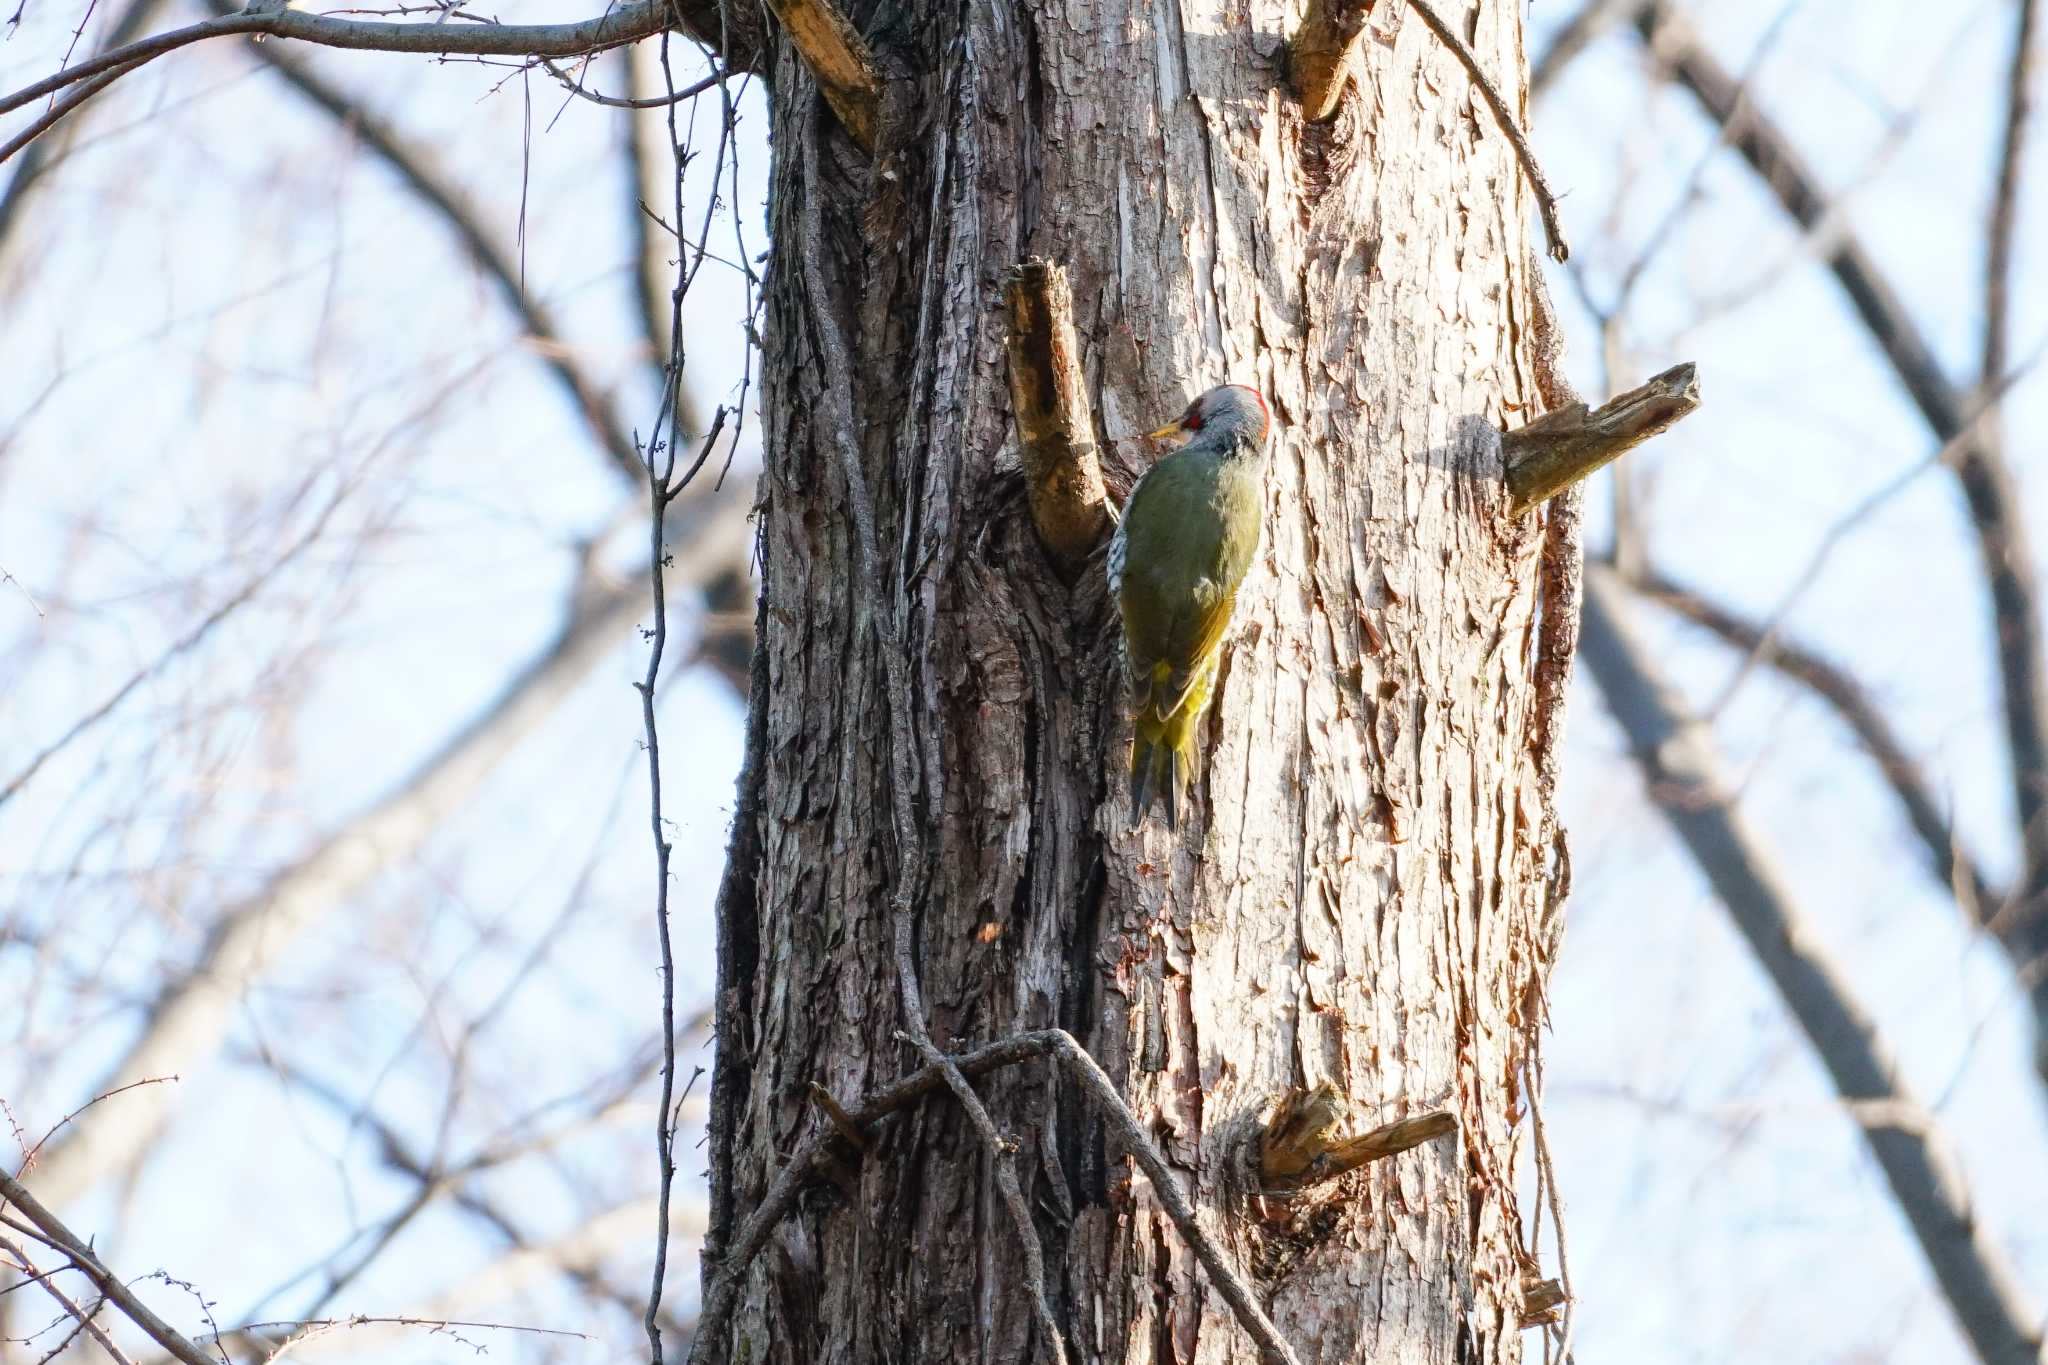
(838, 59)
(1319, 53)
(1055, 433)
(1362, 905)
(1563, 446)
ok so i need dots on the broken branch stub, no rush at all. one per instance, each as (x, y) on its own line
(1300, 1146)
(839, 60)
(1049, 402)
(1562, 447)
(1319, 53)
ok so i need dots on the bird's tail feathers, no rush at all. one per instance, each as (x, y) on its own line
(1160, 769)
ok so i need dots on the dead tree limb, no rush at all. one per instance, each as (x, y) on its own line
(1566, 444)
(1683, 774)
(1299, 1145)
(1055, 431)
(1319, 53)
(839, 60)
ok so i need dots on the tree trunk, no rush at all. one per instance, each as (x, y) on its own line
(1356, 893)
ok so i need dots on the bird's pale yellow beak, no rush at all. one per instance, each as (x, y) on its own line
(1173, 432)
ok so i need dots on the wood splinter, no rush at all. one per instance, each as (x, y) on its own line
(1319, 54)
(839, 59)
(1562, 447)
(1049, 402)
(1300, 1146)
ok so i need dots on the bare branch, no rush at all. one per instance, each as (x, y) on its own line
(189, 1018)
(1682, 772)
(624, 24)
(415, 168)
(1953, 867)
(2005, 199)
(1055, 431)
(52, 1228)
(627, 23)
(79, 1315)
(31, 163)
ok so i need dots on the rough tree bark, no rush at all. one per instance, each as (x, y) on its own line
(1357, 896)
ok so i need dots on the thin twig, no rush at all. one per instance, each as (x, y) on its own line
(1546, 202)
(53, 1230)
(575, 87)
(84, 1319)
(623, 24)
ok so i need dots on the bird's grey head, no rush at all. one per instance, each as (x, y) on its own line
(1228, 412)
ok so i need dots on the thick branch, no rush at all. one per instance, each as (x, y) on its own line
(1985, 479)
(1055, 433)
(1319, 53)
(839, 60)
(13, 1192)
(1565, 445)
(1682, 772)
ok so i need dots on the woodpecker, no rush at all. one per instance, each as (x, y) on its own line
(1188, 534)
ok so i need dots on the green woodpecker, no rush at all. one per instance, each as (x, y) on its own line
(1188, 534)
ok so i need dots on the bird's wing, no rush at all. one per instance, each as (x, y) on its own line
(1207, 634)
